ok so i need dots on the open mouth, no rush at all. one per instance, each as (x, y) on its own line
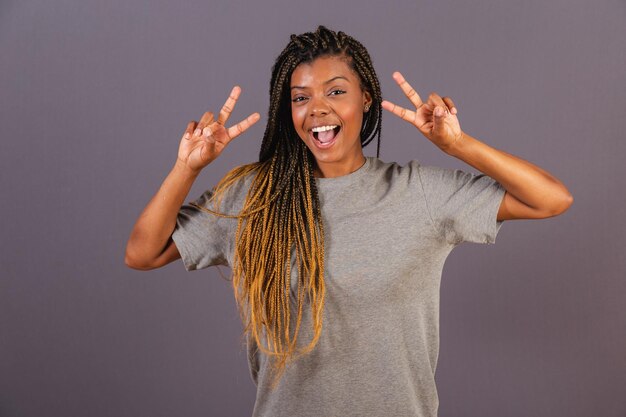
(326, 136)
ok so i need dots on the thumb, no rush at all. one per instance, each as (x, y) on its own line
(440, 114)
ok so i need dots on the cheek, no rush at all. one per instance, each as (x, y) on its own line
(355, 117)
(297, 119)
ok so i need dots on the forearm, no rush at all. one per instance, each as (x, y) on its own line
(156, 223)
(527, 182)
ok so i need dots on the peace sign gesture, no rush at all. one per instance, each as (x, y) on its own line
(205, 141)
(436, 118)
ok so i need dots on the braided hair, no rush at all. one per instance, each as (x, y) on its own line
(282, 208)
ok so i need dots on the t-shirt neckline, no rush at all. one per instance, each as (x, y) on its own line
(345, 179)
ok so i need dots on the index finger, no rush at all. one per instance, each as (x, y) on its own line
(407, 89)
(228, 107)
(242, 126)
(401, 112)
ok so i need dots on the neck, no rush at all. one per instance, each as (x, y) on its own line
(337, 169)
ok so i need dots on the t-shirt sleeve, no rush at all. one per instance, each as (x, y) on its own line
(463, 206)
(201, 237)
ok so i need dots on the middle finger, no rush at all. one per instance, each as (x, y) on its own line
(228, 107)
(407, 89)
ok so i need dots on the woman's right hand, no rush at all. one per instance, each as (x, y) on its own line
(205, 140)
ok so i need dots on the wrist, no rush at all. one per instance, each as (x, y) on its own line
(182, 168)
(455, 148)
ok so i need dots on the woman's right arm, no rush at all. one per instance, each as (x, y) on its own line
(150, 244)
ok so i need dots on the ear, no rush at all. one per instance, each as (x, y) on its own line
(367, 99)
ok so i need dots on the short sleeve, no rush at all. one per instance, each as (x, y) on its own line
(201, 237)
(463, 206)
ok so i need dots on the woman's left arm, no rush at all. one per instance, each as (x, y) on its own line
(531, 192)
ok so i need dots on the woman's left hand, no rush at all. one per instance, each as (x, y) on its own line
(436, 118)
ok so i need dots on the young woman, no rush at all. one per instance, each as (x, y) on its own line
(315, 232)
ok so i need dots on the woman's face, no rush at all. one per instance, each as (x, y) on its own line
(326, 93)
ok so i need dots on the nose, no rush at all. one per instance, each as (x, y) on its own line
(318, 106)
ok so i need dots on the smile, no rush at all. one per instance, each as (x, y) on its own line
(325, 136)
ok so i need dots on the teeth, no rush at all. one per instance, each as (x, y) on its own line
(323, 128)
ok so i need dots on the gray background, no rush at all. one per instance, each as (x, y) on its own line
(95, 97)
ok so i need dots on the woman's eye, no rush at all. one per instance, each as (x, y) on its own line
(332, 93)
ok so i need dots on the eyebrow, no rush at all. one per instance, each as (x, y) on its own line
(329, 81)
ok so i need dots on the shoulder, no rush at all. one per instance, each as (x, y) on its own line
(229, 193)
(427, 177)
(395, 171)
(430, 175)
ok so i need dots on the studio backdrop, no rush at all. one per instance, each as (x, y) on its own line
(95, 96)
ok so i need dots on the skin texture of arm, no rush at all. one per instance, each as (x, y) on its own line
(531, 192)
(150, 245)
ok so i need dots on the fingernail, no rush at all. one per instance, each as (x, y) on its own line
(206, 132)
(196, 132)
(187, 135)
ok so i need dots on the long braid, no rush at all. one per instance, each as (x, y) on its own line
(282, 210)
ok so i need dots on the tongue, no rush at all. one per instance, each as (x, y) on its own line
(326, 136)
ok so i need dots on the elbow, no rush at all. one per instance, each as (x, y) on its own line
(128, 261)
(133, 263)
(565, 203)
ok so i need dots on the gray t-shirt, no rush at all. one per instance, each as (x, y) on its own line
(388, 231)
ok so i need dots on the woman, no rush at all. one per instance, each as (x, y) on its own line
(317, 232)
